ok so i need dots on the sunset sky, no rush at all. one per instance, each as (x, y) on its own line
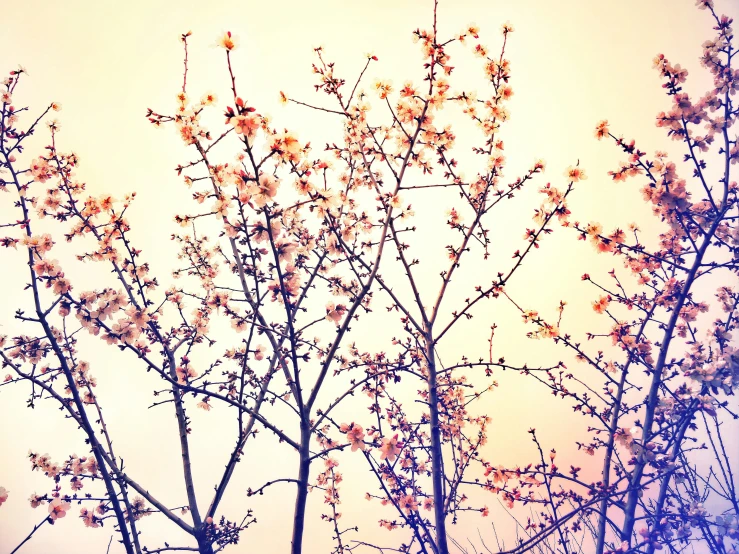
(574, 63)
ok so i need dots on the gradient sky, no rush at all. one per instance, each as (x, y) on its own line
(574, 62)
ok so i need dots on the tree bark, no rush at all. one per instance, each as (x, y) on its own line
(204, 545)
(302, 497)
(437, 460)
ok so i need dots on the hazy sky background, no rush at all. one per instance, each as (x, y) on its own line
(574, 62)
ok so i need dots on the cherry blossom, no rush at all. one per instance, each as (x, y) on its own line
(58, 508)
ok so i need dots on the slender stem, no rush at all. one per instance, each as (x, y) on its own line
(24, 541)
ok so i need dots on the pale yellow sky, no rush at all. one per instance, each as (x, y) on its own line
(574, 62)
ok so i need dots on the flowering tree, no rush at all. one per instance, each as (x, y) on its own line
(658, 419)
(427, 457)
(278, 253)
(378, 161)
(287, 259)
(130, 317)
